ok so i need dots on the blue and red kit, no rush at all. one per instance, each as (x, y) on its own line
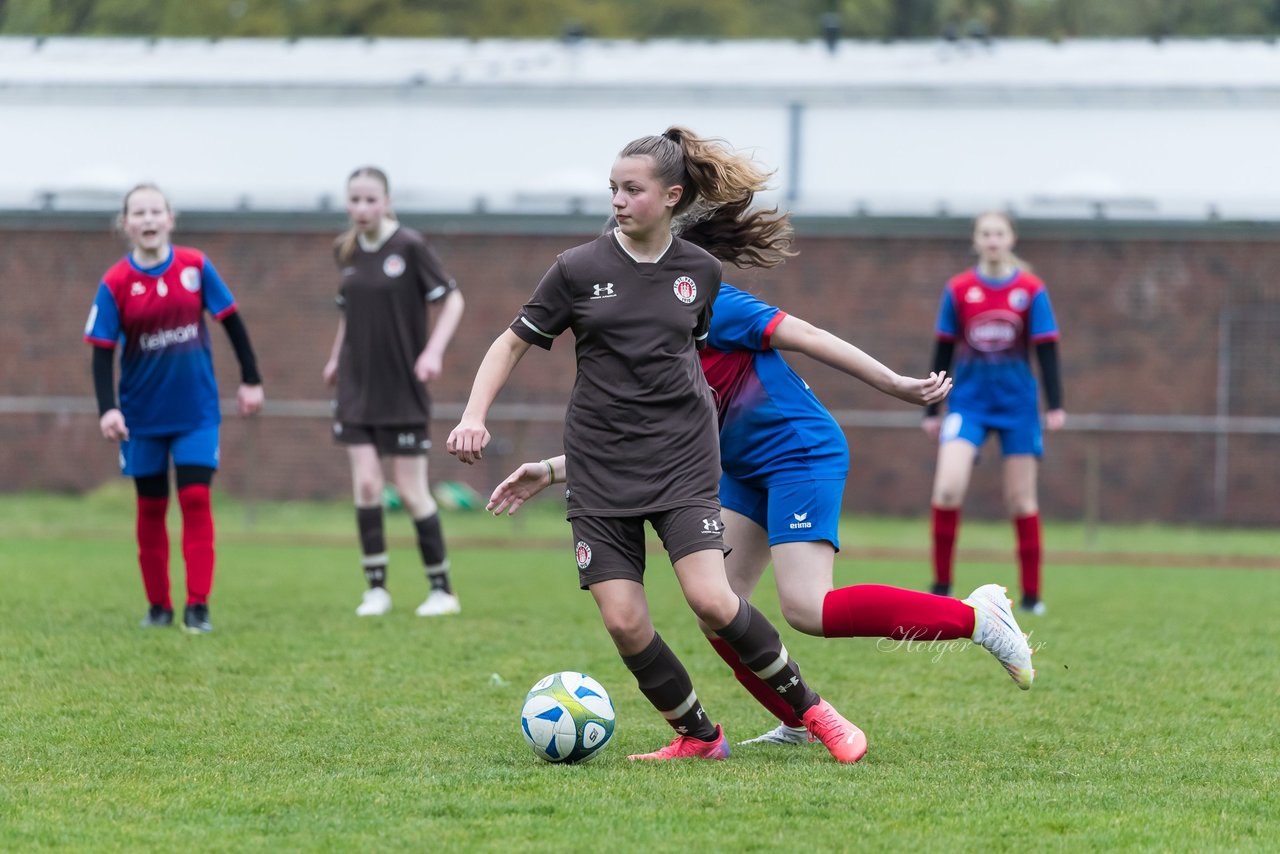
(156, 314)
(994, 325)
(773, 429)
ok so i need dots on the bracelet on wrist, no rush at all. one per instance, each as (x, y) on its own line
(551, 472)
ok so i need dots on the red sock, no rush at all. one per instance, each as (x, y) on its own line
(197, 541)
(153, 550)
(1029, 551)
(880, 611)
(946, 524)
(757, 687)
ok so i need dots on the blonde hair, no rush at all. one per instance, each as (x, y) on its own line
(1017, 260)
(345, 244)
(714, 210)
(124, 205)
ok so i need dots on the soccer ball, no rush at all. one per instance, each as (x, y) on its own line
(567, 717)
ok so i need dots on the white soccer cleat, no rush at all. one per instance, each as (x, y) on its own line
(376, 602)
(995, 629)
(781, 734)
(438, 604)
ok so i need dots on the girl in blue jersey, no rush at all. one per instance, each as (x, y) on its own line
(785, 461)
(152, 302)
(991, 317)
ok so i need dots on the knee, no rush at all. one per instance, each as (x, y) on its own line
(629, 629)
(368, 493)
(948, 496)
(419, 505)
(715, 609)
(1021, 505)
(803, 615)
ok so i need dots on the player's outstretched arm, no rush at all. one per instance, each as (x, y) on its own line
(803, 337)
(468, 439)
(524, 483)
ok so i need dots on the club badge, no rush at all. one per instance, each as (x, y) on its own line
(685, 289)
(393, 267)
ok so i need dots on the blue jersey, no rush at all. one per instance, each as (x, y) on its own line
(994, 324)
(773, 429)
(156, 315)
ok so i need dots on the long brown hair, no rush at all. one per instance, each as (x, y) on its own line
(714, 211)
(345, 244)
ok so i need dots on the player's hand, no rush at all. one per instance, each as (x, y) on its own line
(112, 426)
(330, 372)
(521, 485)
(249, 399)
(467, 441)
(932, 426)
(1055, 418)
(923, 392)
(428, 366)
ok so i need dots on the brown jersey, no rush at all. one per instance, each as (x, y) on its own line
(383, 297)
(640, 432)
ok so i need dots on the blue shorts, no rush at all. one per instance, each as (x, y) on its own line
(803, 512)
(1022, 436)
(144, 456)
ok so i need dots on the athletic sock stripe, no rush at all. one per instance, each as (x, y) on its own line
(682, 709)
(775, 666)
(371, 561)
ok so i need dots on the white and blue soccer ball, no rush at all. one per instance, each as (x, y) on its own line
(567, 717)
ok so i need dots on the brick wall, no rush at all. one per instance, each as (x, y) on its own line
(1140, 307)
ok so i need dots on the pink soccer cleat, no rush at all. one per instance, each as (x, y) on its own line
(686, 747)
(846, 742)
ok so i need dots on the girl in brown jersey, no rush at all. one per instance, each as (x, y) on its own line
(640, 431)
(381, 363)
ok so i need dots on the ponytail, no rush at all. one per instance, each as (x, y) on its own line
(714, 210)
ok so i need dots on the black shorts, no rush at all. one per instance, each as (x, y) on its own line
(608, 547)
(404, 440)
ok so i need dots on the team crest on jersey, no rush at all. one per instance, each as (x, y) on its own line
(393, 266)
(190, 278)
(1017, 299)
(582, 552)
(974, 294)
(686, 290)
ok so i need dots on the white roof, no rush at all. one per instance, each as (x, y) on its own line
(1133, 128)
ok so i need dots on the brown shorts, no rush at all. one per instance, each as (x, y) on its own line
(405, 440)
(608, 547)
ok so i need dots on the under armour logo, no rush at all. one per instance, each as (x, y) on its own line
(604, 291)
(794, 681)
(711, 526)
(405, 440)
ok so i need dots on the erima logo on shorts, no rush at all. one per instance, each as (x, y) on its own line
(582, 552)
(801, 521)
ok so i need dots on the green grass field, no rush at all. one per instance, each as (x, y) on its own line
(296, 726)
